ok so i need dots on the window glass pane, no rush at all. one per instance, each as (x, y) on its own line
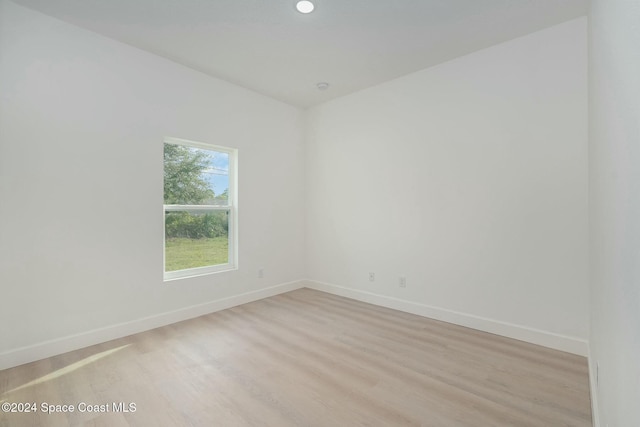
(195, 176)
(196, 239)
(218, 176)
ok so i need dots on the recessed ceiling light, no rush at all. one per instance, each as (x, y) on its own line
(304, 6)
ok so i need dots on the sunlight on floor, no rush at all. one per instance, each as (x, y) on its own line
(66, 370)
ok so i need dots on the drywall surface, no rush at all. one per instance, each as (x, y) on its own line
(82, 122)
(469, 179)
(614, 198)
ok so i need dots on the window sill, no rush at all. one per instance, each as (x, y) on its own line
(197, 272)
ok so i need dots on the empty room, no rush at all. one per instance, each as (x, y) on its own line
(320, 213)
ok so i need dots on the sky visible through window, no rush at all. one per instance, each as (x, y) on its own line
(217, 174)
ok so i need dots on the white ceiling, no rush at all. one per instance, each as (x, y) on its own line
(266, 46)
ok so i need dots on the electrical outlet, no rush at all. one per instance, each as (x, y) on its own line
(402, 282)
(260, 273)
(372, 277)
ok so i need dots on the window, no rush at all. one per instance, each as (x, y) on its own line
(199, 208)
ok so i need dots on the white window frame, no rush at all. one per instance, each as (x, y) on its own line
(231, 207)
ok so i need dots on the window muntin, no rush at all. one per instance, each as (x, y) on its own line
(199, 208)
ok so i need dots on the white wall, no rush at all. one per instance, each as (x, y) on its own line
(470, 179)
(82, 119)
(614, 172)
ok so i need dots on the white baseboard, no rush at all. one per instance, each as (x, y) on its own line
(595, 412)
(535, 336)
(20, 356)
(57, 346)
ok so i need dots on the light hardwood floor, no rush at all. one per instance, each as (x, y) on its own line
(307, 358)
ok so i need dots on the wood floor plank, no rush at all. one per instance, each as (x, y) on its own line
(307, 358)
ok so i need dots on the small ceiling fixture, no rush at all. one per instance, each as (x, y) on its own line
(322, 86)
(304, 6)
